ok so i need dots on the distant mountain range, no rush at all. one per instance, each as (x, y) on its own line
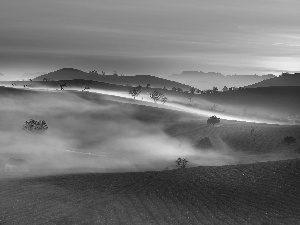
(202, 80)
(285, 79)
(71, 74)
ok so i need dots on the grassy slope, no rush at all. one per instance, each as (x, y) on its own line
(261, 193)
(241, 194)
(287, 80)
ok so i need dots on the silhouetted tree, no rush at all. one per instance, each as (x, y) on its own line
(215, 90)
(115, 73)
(174, 89)
(156, 95)
(135, 91)
(86, 88)
(93, 72)
(213, 120)
(103, 73)
(30, 79)
(225, 88)
(34, 126)
(179, 89)
(181, 162)
(148, 85)
(203, 143)
(164, 99)
(289, 140)
(62, 86)
(192, 90)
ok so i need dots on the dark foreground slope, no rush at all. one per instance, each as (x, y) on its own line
(261, 193)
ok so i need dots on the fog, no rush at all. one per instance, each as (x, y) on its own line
(87, 135)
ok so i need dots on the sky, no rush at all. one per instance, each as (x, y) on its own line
(150, 37)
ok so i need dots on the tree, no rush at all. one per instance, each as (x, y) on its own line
(115, 73)
(182, 162)
(225, 88)
(164, 99)
(135, 91)
(86, 88)
(289, 140)
(62, 86)
(33, 126)
(156, 95)
(215, 90)
(213, 120)
(192, 90)
(179, 89)
(148, 85)
(103, 73)
(203, 143)
(174, 89)
(93, 72)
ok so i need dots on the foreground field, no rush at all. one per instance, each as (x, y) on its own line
(260, 193)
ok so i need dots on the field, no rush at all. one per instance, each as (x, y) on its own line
(260, 193)
(249, 176)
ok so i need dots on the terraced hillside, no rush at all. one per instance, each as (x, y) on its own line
(261, 193)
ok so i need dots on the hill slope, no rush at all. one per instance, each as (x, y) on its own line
(261, 193)
(70, 74)
(204, 81)
(283, 80)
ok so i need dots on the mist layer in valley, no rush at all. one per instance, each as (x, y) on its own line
(89, 134)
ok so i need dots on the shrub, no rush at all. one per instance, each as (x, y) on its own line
(213, 120)
(289, 140)
(181, 162)
(203, 143)
(34, 126)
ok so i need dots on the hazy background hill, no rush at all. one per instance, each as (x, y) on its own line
(70, 74)
(204, 80)
(283, 80)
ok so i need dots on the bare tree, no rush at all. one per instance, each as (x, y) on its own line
(164, 99)
(62, 86)
(182, 162)
(156, 95)
(135, 91)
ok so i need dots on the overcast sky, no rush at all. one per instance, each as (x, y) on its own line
(158, 37)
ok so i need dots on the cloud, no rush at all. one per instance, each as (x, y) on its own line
(105, 34)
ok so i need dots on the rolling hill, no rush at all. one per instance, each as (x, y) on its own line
(260, 193)
(285, 80)
(70, 74)
(203, 81)
(249, 193)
